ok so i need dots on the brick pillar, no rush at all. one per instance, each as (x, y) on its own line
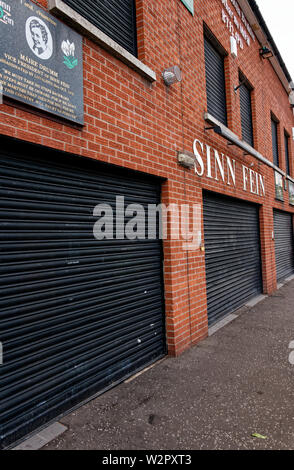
(268, 249)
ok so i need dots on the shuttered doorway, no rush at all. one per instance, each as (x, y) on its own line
(284, 244)
(77, 315)
(233, 260)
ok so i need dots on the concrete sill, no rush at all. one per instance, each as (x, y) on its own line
(244, 146)
(59, 9)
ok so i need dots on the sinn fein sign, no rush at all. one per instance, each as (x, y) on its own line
(41, 60)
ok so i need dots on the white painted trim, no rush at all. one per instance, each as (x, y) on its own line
(78, 22)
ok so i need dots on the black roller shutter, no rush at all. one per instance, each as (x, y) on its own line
(116, 18)
(215, 82)
(275, 142)
(232, 246)
(284, 244)
(246, 114)
(77, 315)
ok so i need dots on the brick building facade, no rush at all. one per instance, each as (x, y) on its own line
(133, 120)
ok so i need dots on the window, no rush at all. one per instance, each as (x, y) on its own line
(215, 81)
(275, 141)
(287, 157)
(246, 111)
(116, 18)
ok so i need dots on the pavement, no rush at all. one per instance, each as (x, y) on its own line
(237, 382)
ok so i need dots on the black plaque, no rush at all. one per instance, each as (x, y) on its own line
(41, 60)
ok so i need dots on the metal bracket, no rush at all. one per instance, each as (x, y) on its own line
(236, 88)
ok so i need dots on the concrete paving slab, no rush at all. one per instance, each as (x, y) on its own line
(255, 301)
(43, 437)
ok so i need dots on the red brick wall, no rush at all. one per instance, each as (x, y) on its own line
(132, 123)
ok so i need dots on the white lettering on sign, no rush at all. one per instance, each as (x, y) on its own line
(219, 167)
(237, 23)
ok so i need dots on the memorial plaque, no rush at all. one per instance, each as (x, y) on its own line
(41, 60)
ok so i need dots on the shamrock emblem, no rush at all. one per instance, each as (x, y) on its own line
(69, 54)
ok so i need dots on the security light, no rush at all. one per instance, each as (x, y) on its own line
(172, 75)
(265, 52)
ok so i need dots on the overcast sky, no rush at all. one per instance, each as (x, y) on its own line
(279, 17)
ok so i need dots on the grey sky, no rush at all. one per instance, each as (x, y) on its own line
(279, 17)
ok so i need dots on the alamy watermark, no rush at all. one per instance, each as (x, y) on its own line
(137, 222)
(1, 354)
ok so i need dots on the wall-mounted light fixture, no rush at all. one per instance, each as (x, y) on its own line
(172, 75)
(265, 52)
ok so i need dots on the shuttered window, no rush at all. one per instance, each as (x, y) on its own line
(287, 158)
(215, 82)
(246, 113)
(284, 244)
(275, 142)
(116, 18)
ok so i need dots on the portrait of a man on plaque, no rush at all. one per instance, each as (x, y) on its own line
(39, 38)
